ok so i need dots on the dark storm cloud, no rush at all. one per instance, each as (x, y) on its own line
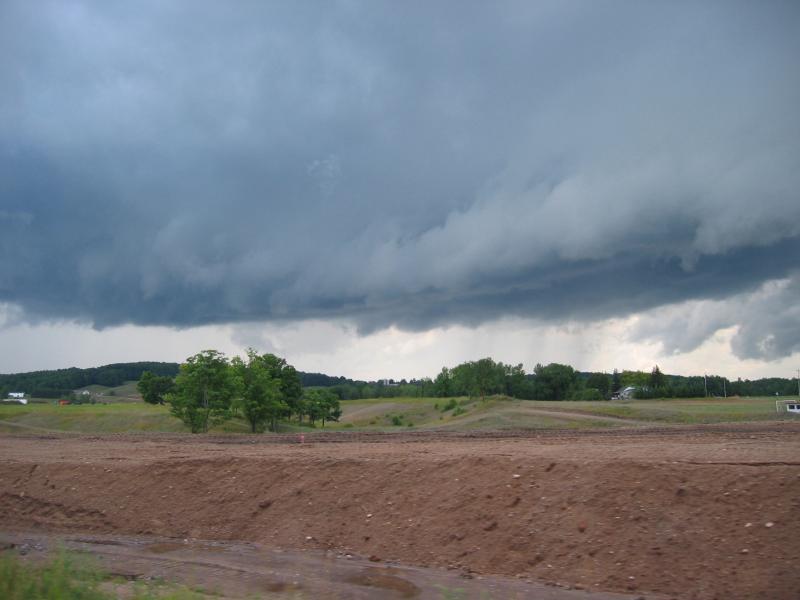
(188, 163)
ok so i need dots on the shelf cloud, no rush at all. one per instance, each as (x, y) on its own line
(186, 164)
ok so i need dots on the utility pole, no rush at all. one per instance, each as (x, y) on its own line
(705, 383)
(798, 382)
(724, 388)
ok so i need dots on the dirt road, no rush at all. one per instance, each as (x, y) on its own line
(705, 513)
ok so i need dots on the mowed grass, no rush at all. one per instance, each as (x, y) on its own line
(494, 412)
(397, 414)
(99, 418)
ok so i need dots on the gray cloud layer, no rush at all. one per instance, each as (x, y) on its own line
(187, 163)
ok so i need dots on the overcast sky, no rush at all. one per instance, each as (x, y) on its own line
(378, 189)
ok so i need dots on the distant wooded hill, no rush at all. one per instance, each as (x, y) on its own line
(60, 382)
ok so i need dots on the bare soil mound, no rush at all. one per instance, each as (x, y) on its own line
(704, 515)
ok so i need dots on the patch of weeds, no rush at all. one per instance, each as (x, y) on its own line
(67, 576)
(397, 420)
(451, 404)
(460, 410)
(61, 577)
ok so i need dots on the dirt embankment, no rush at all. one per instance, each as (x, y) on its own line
(695, 518)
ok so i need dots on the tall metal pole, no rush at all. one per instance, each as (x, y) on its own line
(705, 383)
(798, 382)
(724, 388)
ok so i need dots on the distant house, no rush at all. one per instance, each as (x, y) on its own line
(16, 397)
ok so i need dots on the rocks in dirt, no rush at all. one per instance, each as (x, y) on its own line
(374, 558)
(491, 526)
(769, 524)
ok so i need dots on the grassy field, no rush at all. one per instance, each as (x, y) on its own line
(98, 418)
(126, 392)
(695, 410)
(503, 413)
(411, 413)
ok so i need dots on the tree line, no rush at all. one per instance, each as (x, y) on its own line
(553, 381)
(263, 389)
(556, 381)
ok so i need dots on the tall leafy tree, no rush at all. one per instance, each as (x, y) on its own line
(554, 381)
(442, 385)
(203, 391)
(600, 382)
(488, 377)
(261, 399)
(616, 382)
(322, 405)
(657, 378)
(154, 388)
(291, 388)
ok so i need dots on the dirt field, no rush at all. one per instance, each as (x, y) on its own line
(707, 512)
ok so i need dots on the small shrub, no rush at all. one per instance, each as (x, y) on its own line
(397, 420)
(459, 411)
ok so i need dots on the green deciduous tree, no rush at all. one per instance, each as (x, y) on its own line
(261, 399)
(554, 381)
(600, 382)
(203, 391)
(657, 378)
(322, 405)
(153, 388)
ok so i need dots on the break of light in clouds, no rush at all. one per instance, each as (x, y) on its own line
(605, 184)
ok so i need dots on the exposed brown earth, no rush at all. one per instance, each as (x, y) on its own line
(704, 513)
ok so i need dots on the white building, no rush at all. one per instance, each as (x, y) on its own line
(16, 397)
